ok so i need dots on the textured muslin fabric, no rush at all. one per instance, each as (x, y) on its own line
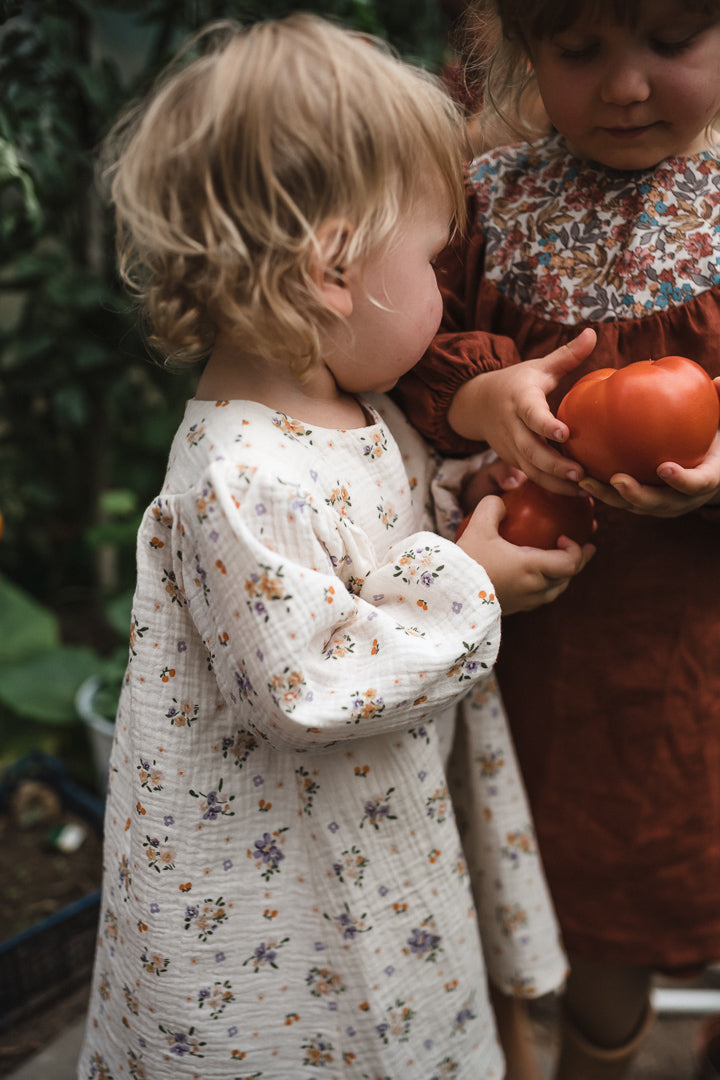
(286, 893)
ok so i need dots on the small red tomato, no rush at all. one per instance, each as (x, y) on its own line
(538, 518)
(632, 419)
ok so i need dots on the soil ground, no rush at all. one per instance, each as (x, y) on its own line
(37, 880)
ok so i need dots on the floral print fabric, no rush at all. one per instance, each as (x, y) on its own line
(573, 242)
(286, 893)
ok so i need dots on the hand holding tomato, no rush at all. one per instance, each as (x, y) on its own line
(634, 419)
(508, 409)
(536, 517)
(523, 577)
(683, 490)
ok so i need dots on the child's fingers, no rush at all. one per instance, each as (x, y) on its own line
(506, 476)
(567, 357)
(552, 368)
(560, 569)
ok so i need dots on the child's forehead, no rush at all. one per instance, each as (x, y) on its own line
(544, 18)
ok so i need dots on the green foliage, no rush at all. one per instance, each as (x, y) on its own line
(39, 676)
(85, 419)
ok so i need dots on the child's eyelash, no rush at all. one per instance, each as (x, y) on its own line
(583, 53)
(665, 48)
(671, 48)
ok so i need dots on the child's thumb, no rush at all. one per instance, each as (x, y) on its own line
(567, 357)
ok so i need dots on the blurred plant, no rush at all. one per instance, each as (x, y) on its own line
(40, 677)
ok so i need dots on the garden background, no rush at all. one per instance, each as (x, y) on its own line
(86, 418)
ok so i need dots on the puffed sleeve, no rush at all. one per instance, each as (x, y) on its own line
(461, 349)
(308, 654)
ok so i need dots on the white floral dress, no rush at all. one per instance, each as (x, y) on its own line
(286, 896)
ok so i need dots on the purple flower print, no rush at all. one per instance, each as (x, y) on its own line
(214, 806)
(180, 1045)
(244, 685)
(349, 925)
(349, 928)
(423, 943)
(215, 803)
(267, 853)
(264, 954)
(378, 809)
(267, 850)
(427, 579)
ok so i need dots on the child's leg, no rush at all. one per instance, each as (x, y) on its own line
(516, 1038)
(607, 1016)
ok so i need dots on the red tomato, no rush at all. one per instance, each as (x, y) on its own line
(632, 419)
(538, 518)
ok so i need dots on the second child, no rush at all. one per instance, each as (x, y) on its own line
(606, 234)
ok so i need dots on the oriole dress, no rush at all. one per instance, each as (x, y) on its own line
(286, 894)
(613, 691)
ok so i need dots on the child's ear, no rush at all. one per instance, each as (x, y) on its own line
(326, 265)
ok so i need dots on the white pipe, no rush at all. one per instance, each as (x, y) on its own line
(667, 1000)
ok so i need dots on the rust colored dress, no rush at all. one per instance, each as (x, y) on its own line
(613, 691)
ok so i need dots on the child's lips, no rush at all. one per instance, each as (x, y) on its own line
(628, 132)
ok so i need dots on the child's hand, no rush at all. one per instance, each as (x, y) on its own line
(508, 409)
(524, 578)
(488, 480)
(683, 490)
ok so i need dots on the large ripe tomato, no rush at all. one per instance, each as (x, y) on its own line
(632, 419)
(538, 518)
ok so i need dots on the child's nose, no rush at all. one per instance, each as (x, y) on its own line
(625, 82)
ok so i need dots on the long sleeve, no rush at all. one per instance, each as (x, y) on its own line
(309, 655)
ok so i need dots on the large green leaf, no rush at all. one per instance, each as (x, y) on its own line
(27, 629)
(44, 687)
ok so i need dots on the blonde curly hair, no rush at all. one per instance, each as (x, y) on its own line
(222, 177)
